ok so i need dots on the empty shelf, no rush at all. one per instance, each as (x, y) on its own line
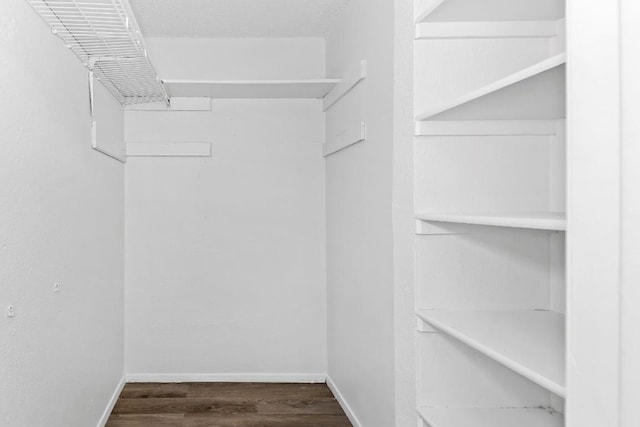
(529, 342)
(526, 417)
(250, 88)
(534, 70)
(489, 30)
(105, 37)
(534, 220)
(487, 127)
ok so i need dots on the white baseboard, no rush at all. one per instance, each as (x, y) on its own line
(112, 402)
(232, 378)
(341, 400)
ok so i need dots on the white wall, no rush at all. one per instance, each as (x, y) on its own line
(630, 268)
(359, 219)
(61, 220)
(226, 255)
(237, 59)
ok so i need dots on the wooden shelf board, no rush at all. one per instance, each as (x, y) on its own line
(534, 220)
(499, 417)
(529, 342)
(489, 30)
(314, 89)
(540, 67)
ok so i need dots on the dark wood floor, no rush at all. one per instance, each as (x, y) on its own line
(227, 404)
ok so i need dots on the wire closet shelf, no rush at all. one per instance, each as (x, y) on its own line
(107, 39)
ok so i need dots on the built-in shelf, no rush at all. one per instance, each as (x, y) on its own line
(534, 70)
(529, 342)
(489, 30)
(509, 417)
(487, 127)
(534, 220)
(314, 89)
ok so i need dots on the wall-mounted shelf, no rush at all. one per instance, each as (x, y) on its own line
(522, 75)
(486, 128)
(250, 89)
(489, 30)
(533, 220)
(489, 417)
(106, 38)
(530, 343)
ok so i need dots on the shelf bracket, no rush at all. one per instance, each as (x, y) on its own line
(94, 131)
(346, 139)
(350, 80)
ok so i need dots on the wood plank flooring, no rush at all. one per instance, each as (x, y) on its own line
(227, 405)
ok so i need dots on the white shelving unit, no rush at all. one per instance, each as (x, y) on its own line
(529, 342)
(250, 88)
(533, 220)
(520, 76)
(489, 30)
(490, 156)
(486, 128)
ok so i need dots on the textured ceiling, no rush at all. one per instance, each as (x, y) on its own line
(236, 18)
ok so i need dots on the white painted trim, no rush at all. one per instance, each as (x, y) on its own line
(488, 30)
(112, 402)
(594, 99)
(239, 378)
(352, 77)
(346, 139)
(169, 149)
(343, 402)
(487, 128)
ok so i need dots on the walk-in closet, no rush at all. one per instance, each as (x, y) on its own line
(319, 213)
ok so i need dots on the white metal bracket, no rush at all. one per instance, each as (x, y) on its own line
(94, 132)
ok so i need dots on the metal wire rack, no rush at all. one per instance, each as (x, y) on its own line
(107, 39)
